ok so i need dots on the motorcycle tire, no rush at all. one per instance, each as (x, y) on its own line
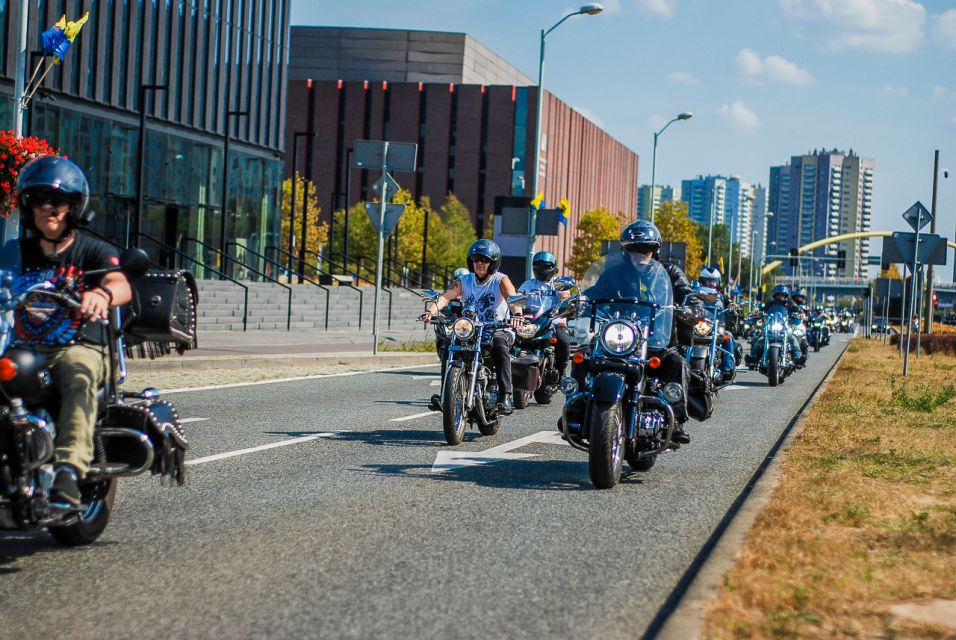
(773, 366)
(454, 415)
(606, 446)
(816, 347)
(698, 364)
(522, 399)
(91, 523)
(544, 395)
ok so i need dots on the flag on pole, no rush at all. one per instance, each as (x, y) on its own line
(565, 207)
(720, 264)
(58, 38)
(538, 201)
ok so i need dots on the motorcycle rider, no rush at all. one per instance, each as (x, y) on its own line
(711, 277)
(441, 344)
(545, 267)
(640, 243)
(487, 289)
(799, 297)
(53, 195)
(781, 296)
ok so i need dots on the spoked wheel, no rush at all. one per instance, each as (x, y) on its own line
(522, 399)
(606, 446)
(88, 526)
(454, 414)
(773, 366)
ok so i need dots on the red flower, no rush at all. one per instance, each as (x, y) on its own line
(14, 154)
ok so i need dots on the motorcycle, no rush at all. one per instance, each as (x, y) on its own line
(776, 361)
(135, 432)
(621, 410)
(710, 339)
(469, 394)
(533, 369)
(799, 330)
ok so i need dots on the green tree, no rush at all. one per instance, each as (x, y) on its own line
(675, 226)
(459, 234)
(593, 227)
(316, 235)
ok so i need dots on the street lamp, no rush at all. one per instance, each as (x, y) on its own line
(132, 234)
(225, 188)
(305, 214)
(687, 115)
(591, 9)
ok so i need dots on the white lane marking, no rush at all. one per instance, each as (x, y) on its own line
(415, 415)
(273, 445)
(734, 387)
(450, 460)
(186, 420)
(317, 376)
(417, 378)
(434, 383)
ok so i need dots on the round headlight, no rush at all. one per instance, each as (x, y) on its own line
(777, 326)
(673, 392)
(703, 328)
(619, 338)
(463, 328)
(799, 332)
(526, 330)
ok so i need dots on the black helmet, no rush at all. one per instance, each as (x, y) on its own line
(53, 178)
(780, 293)
(544, 265)
(799, 295)
(488, 249)
(641, 236)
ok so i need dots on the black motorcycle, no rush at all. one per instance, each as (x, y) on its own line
(533, 366)
(469, 394)
(621, 410)
(134, 432)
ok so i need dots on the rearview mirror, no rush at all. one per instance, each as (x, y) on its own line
(134, 262)
(429, 295)
(564, 283)
(519, 299)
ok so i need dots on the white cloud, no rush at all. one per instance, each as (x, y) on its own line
(945, 29)
(771, 68)
(888, 26)
(740, 116)
(683, 77)
(894, 91)
(943, 93)
(662, 8)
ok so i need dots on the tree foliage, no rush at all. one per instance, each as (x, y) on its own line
(891, 272)
(316, 234)
(593, 227)
(675, 226)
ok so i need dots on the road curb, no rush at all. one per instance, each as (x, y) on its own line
(202, 363)
(686, 619)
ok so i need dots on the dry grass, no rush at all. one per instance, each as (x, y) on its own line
(864, 516)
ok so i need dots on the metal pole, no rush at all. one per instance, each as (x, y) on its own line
(424, 246)
(929, 268)
(710, 233)
(730, 257)
(381, 251)
(654, 174)
(919, 315)
(913, 289)
(348, 204)
(305, 218)
(21, 72)
(295, 158)
(902, 310)
(537, 160)
(141, 164)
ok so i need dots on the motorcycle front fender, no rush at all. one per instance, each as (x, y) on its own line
(608, 388)
(700, 350)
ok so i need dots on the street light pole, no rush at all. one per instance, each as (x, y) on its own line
(225, 188)
(590, 9)
(680, 116)
(305, 217)
(133, 231)
(295, 189)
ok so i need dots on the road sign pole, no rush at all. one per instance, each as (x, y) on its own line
(919, 322)
(913, 289)
(902, 310)
(381, 251)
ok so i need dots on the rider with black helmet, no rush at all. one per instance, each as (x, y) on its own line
(545, 267)
(711, 277)
(641, 242)
(485, 288)
(780, 295)
(53, 195)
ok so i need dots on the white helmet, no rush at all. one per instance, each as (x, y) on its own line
(710, 276)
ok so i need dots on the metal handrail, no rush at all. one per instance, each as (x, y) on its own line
(372, 280)
(288, 325)
(325, 272)
(183, 254)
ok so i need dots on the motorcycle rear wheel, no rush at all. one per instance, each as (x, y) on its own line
(454, 414)
(91, 523)
(773, 366)
(606, 446)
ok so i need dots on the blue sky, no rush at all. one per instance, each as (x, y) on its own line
(765, 79)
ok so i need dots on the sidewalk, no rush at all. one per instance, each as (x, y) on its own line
(241, 349)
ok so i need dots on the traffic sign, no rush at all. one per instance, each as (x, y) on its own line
(917, 216)
(367, 154)
(393, 212)
(901, 247)
(388, 182)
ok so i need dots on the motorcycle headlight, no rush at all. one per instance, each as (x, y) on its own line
(526, 330)
(816, 325)
(777, 326)
(799, 332)
(673, 392)
(619, 338)
(703, 328)
(463, 328)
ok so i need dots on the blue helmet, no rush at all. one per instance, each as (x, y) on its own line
(641, 236)
(544, 265)
(780, 293)
(52, 178)
(488, 249)
(459, 272)
(799, 295)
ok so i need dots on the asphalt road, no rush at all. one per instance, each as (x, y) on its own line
(353, 535)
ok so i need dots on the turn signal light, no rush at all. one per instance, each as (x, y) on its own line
(579, 357)
(654, 362)
(554, 341)
(8, 369)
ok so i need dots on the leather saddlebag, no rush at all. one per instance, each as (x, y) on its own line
(163, 309)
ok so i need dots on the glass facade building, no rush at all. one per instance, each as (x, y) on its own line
(215, 57)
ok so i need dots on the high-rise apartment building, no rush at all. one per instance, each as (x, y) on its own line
(662, 194)
(706, 199)
(820, 195)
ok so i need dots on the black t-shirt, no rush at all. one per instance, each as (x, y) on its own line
(39, 322)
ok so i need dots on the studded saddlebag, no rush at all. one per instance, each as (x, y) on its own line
(163, 311)
(158, 420)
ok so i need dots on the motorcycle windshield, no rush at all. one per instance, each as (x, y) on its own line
(777, 317)
(537, 306)
(627, 288)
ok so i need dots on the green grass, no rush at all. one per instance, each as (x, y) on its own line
(923, 400)
(416, 346)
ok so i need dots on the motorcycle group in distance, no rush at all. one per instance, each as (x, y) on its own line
(650, 348)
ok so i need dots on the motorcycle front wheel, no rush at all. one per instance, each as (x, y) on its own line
(606, 446)
(88, 526)
(454, 414)
(773, 366)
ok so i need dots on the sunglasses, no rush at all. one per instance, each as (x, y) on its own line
(481, 260)
(40, 198)
(636, 248)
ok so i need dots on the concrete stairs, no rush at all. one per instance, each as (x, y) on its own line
(221, 307)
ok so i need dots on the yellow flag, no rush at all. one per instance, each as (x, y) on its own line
(536, 203)
(70, 29)
(720, 264)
